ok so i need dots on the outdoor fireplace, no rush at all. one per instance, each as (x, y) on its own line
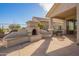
(34, 32)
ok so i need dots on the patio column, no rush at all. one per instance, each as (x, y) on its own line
(77, 13)
(64, 26)
(51, 26)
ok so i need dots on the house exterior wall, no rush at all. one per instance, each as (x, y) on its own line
(44, 21)
(78, 23)
(32, 24)
(55, 23)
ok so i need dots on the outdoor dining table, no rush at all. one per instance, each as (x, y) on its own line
(58, 32)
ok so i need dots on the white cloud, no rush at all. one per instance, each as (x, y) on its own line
(46, 6)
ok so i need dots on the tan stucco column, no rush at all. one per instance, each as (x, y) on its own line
(51, 26)
(77, 23)
(64, 27)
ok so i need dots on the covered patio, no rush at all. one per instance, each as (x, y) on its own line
(67, 12)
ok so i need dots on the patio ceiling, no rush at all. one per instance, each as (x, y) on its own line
(68, 13)
(62, 11)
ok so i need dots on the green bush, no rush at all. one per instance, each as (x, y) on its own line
(14, 26)
(1, 30)
(40, 25)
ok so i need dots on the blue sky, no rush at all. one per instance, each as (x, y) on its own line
(19, 13)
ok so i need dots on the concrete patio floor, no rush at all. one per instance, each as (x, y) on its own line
(55, 46)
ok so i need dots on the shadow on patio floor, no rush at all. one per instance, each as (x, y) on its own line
(71, 50)
(5, 51)
(41, 51)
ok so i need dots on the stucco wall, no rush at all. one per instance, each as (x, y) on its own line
(56, 23)
(77, 23)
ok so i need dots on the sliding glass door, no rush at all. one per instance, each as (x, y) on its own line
(71, 26)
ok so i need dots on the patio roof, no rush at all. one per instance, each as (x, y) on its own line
(62, 11)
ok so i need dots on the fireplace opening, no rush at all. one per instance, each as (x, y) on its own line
(34, 32)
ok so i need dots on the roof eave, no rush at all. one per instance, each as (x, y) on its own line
(52, 9)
